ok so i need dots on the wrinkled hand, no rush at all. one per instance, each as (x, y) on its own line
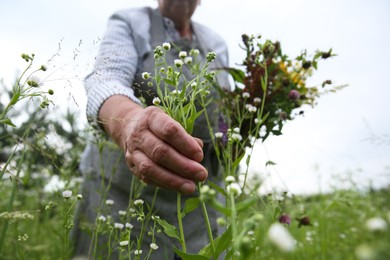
(157, 148)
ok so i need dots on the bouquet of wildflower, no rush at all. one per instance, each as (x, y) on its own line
(272, 81)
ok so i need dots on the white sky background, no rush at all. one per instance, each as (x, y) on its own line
(330, 142)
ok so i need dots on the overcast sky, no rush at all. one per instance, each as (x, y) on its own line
(332, 141)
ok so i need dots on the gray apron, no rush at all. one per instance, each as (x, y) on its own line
(100, 167)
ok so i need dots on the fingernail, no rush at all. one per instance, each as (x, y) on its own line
(187, 188)
(198, 157)
(201, 176)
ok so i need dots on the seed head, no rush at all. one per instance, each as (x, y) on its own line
(211, 56)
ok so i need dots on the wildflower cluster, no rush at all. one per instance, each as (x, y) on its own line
(28, 85)
(180, 90)
(270, 79)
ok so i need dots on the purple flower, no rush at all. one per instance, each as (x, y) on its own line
(304, 221)
(223, 127)
(294, 94)
(285, 219)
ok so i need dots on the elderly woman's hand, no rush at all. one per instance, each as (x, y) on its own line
(157, 148)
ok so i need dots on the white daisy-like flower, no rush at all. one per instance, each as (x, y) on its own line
(234, 189)
(236, 130)
(230, 179)
(178, 63)
(145, 75)
(257, 100)
(102, 218)
(236, 137)
(182, 54)
(246, 94)
(137, 252)
(250, 108)
(124, 243)
(122, 212)
(67, 194)
(176, 92)
(139, 202)
(257, 121)
(251, 233)
(194, 84)
(188, 60)
(79, 196)
(281, 238)
(154, 246)
(109, 202)
(156, 101)
(376, 224)
(129, 226)
(131, 210)
(166, 46)
(118, 225)
(204, 189)
(218, 135)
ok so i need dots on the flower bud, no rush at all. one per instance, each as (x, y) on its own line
(166, 46)
(145, 75)
(182, 54)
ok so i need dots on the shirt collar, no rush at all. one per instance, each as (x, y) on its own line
(171, 30)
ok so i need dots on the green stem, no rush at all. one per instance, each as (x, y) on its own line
(12, 198)
(233, 220)
(208, 225)
(179, 220)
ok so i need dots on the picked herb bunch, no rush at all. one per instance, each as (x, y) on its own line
(286, 89)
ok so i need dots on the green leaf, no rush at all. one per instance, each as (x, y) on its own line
(221, 243)
(314, 63)
(238, 75)
(169, 230)
(7, 121)
(269, 163)
(186, 256)
(169, 82)
(14, 99)
(216, 187)
(214, 203)
(190, 205)
(245, 204)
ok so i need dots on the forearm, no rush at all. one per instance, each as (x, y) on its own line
(114, 115)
